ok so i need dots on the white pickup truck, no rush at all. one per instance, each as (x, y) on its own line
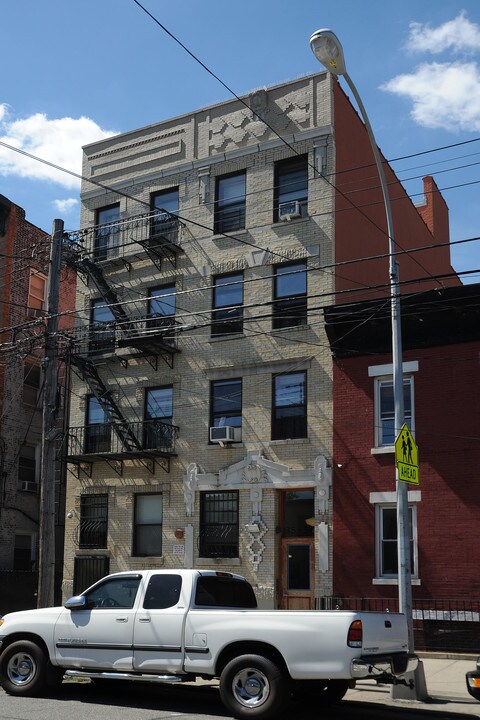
(178, 625)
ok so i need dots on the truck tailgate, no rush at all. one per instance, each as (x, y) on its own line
(383, 633)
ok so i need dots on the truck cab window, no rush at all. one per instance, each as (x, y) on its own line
(163, 591)
(115, 593)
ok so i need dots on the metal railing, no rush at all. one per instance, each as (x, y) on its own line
(157, 231)
(103, 439)
(107, 337)
(441, 624)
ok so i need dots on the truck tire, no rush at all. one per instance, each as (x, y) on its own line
(23, 668)
(321, 692)
(252, 686)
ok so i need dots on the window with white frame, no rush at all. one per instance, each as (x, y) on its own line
(387, 540)
(386, 536)
(384, 411)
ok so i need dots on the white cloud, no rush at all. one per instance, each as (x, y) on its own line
(59, 141)
(444, 95)
(459, 35)
(65, 206)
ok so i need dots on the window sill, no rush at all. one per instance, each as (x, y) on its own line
(383, 450)
(286, 223)
(230, 234)
(304, 326)
(289, 441)
(393, 581)
(227, 336)
(218, 561)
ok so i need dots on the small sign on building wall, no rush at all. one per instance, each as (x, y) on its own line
(178, 550)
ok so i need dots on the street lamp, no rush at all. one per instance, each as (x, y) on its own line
(327, 49)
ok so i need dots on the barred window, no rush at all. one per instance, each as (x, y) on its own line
(218, 524)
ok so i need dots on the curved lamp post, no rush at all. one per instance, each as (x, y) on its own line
(328, 50)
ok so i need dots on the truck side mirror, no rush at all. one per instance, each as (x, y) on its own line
(77, 602)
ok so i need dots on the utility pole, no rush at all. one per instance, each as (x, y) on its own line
(46, 562)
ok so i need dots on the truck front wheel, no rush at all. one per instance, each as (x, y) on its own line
(23, 668)
(252, 686)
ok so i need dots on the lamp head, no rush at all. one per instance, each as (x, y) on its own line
(328, 50)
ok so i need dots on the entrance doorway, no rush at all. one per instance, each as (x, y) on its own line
(297, 549)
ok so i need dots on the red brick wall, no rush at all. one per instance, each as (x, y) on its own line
(361, 233)
(447, 415)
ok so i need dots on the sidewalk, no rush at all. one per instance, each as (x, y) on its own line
(446, 688)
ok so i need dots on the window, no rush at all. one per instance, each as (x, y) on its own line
(290, 295)
(218, 591)
(163, 591)
(24, 552)
(27, 465)
(37, 293)
(230, 203)
(93, 521)
(161, 307)
(385, 410)
(226, 403)
(31, 384)
(387, 545)
(102, 326)
(107, 235)
(227, 316)
(291, 184)
(147, 538)
(165, 202)
(158, 431)
(97, 427)
(218, 524)
(119, 592)
(289, 412)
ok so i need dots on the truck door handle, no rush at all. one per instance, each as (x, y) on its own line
(121, 619)
(145, 619)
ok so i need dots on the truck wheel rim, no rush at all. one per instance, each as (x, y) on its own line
(250, 687)
(21, 669)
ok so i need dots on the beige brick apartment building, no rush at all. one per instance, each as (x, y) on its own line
(201, 413)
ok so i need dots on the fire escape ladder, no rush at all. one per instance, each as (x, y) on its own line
(119, 423)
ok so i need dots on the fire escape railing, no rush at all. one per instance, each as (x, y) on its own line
(153, 437)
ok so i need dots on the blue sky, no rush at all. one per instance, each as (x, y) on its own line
(74, 72)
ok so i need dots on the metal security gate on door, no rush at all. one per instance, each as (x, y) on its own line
(87, 570)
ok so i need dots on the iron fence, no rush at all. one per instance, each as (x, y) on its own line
(441, 624)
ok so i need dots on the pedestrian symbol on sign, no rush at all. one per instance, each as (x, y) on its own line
(406, 456)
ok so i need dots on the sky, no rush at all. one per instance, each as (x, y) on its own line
(76, 71)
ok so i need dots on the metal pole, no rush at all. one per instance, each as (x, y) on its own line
(46, 574)
(403, 527)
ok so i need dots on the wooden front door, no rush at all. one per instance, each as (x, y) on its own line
(297, 577)
(297, 550)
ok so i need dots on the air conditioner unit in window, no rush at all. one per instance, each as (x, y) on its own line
(35, 312)
(225, 434)
(29, 486)
(289, 210)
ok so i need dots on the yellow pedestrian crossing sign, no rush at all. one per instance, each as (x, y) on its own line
(406, 456)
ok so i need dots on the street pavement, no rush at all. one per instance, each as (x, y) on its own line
(445, 684)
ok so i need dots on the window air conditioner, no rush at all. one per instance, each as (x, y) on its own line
(35, 312)
(29, 486)
(289, 210)
(224, 434)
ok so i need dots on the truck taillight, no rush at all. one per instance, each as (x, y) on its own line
(355, 633)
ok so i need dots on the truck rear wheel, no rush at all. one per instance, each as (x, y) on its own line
(23, 668)
(252, 686)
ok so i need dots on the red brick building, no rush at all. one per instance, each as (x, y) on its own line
(24, 267)
(441, 340)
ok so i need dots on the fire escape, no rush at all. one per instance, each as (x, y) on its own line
(92, 253)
